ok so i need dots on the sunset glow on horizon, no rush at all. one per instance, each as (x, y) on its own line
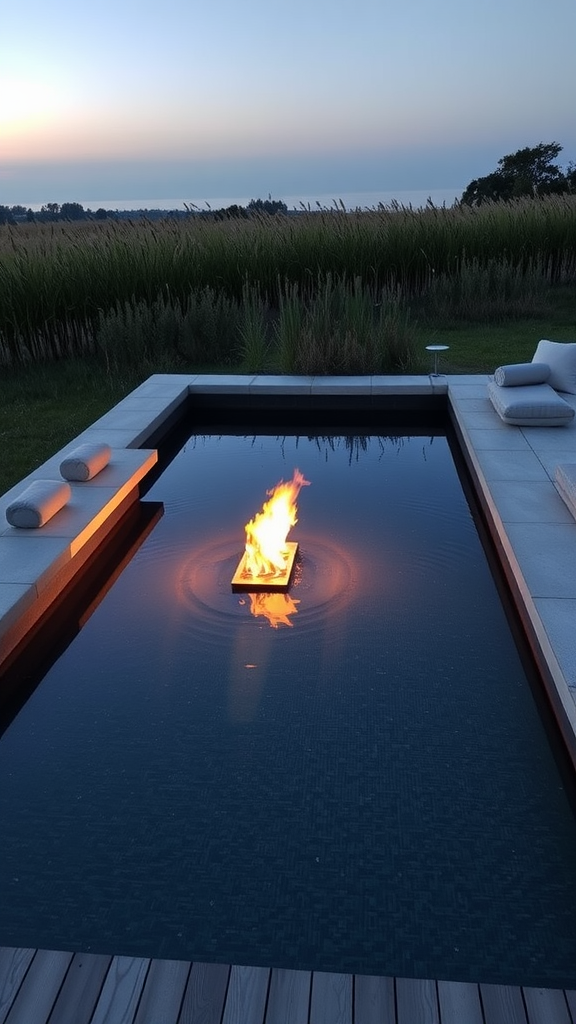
(302, 97)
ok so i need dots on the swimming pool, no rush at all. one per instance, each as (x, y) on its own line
(369, 788)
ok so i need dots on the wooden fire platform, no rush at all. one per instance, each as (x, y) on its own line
(243, 582)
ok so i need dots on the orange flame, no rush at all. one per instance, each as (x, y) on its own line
(277, 608)
(266, 534)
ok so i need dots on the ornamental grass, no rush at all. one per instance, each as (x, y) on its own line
(321, 291)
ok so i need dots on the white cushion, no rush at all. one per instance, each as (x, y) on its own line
(536, 405)
(561, 358)
(517, 374)
(41, 500)
(85, 461)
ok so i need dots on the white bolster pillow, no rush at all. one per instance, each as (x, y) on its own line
(41, 500)
(85, 461)
(519, 374)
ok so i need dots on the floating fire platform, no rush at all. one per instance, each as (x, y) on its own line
(243, 581)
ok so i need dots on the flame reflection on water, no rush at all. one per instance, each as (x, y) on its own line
(326, 579)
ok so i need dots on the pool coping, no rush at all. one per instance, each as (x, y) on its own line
(512, 468)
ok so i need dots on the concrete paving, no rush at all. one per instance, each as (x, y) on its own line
(514, 469)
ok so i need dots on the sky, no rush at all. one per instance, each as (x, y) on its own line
(186, 101)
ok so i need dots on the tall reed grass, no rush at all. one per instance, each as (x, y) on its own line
(343, 327)
(255, 288)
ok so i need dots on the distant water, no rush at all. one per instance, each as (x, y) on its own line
(350, 200)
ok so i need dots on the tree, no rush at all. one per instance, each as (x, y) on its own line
(6, 216)
(528, 172)
(571, 177)
(269, 205)
(233, 212)
(50, 211)
(72, 211)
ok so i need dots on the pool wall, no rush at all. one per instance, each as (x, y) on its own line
(512, 469)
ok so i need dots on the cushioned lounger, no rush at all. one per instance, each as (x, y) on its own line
(536, 405)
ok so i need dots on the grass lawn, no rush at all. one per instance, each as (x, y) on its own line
(480, 349)
(41, 409)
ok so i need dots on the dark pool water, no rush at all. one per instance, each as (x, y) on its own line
(367, 787)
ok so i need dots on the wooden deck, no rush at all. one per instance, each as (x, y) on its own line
(40, 986)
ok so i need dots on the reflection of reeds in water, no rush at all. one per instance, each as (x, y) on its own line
(326, 291)
(356, 445)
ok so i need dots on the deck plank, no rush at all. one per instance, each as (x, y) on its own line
(459, 1001)
(374, 1000)
(56, 987)
(546, 1006)
(82, 986)
(163, 992)
(246, 996)
(416, 1001)
(13, 966)
(331, 1001)
(121, 991)
(502, 1003)
(39, 989)
(289, 997)
(205, 994)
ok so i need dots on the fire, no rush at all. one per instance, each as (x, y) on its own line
(266, 552)
(277, 608)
